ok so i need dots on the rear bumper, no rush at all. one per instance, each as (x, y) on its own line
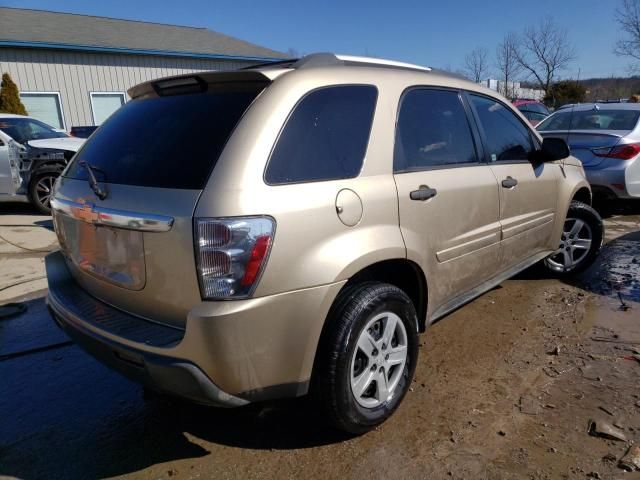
(615, 178)
(80, 315)
(231, 353)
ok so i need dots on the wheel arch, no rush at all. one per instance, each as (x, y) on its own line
(49, 165)
(582, 194)
(574, 186)
(400, 272)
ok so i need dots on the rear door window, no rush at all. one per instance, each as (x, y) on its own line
(506, 137)
(325, 137)
(433, 131)
(166, 142)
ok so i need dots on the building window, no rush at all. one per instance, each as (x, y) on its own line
(103, 104)
(44, 106)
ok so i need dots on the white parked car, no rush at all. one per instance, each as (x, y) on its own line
(32, 156)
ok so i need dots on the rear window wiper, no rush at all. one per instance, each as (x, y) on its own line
(100, 193)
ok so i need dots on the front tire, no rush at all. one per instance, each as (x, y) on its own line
(367, 356)
(41, 189)
(580, 243)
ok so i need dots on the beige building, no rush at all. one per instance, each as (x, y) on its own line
(75, 70)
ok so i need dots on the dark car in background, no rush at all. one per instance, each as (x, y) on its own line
(533, 110)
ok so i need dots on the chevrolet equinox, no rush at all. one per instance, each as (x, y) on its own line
(234, 237)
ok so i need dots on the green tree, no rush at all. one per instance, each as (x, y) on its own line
(565, 91)
(9, 97)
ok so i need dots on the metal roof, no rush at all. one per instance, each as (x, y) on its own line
(70, 31)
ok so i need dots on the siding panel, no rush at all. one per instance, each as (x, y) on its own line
(75, 74)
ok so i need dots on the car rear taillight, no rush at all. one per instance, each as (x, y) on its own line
(622, 152)
(231, 254)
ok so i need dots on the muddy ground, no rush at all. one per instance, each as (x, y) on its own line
(506, 388)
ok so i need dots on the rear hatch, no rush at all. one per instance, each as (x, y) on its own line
(127, 233)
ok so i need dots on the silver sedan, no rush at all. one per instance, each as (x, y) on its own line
(605, 137)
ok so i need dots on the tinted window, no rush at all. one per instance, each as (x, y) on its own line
(557, 121)
(534, 116)
(533, 108)
(433, 130)
(506, 136)
(592, 120)
(169, 142)
(24, 129)
(326, 136)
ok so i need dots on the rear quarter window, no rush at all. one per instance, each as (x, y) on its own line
(325, 136)
(167, 142)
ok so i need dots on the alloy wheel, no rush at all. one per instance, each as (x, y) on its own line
(574, 246)
(44, 187)
(379, 360)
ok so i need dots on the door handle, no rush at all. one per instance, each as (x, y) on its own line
(423, 193)
(509, 182)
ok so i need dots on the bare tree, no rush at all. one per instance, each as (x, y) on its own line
(476, 64)
(543, 51)
(507, 63)
(628, 17)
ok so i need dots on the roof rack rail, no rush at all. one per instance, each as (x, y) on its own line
(330, 59)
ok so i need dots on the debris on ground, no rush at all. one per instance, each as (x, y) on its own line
(631, 459)
(606, 410)
(555, 350)
(600, 428)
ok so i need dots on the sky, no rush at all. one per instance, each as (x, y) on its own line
(437, 34)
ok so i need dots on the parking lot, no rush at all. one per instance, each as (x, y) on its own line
(505, 388)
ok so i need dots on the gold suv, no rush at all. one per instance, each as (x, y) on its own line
(233, 237)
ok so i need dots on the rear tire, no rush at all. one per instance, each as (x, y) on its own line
(367, 356)
(580, 243)
(41, 188)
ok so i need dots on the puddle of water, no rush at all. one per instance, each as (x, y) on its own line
(616, 270)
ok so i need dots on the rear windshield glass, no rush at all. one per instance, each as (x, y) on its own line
(534, 108)
(166, 142)
(591, 120)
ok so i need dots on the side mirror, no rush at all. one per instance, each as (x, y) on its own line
(552, 149)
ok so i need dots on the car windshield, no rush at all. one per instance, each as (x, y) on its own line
(591, 120)
(24, 129)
